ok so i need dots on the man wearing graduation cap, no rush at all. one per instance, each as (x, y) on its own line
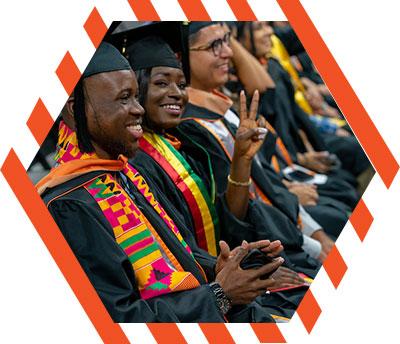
(143, 263)
(209, 119)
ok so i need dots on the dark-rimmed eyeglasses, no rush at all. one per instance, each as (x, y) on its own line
(216, 45)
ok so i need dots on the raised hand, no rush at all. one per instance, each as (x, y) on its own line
(249, 138)
(251, 132)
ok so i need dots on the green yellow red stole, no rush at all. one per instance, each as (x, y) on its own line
(191, 186)
(217, 102)
(157, 271)
(227, 142)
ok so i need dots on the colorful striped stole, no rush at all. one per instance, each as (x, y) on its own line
(203, 212)
(157, 271)
(67, 146)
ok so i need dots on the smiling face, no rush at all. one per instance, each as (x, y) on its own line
(113, 113)
(208, 71)
(262, 33)
(166, 97)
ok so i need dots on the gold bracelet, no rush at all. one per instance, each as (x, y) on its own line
(235, 183)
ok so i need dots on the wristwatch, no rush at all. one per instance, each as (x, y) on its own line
(223, 301)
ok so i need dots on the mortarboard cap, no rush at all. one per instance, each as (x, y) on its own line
(150, 52)
(175, 34)
(196, 26)
(106, 59)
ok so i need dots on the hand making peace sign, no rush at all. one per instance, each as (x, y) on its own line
(251, 132)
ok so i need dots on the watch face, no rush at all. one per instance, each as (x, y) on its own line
(224, 304)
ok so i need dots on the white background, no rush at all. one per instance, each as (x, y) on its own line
(36, 303)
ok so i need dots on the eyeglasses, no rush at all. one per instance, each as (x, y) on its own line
(216, 45)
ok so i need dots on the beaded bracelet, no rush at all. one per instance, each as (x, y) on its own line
(235, 183)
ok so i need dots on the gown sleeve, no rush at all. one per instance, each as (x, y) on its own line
(91, 239)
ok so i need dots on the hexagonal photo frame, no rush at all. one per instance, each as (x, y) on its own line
(40, 122)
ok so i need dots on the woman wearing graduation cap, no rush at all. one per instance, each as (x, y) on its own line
(162, 93)
(185, 179)
(140, 258)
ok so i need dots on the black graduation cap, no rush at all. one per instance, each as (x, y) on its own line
(196, 26)
(123, 34)
(151, 51)
(106, 59)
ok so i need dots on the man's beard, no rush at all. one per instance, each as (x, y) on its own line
(113, 146)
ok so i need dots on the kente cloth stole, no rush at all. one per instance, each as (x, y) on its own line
(67, 146)
(225, 139)
(191, 186)
(157, 271)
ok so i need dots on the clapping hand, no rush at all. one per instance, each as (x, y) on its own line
(243, 286)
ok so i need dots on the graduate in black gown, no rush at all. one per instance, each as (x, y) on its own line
(305, 145)
(209, 121)
(140, 257)
(183, 179)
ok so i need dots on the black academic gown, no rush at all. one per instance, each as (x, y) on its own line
(348, 150)
(287, 118)
(277, 222)
(232, 230)
(308, 71)
(330, 213)
(91, 238)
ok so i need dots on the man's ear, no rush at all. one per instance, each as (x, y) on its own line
(68, 113)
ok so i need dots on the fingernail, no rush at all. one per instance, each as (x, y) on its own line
(261, 130)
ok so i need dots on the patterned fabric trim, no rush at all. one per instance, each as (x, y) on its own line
(156, 269)
(191, 186)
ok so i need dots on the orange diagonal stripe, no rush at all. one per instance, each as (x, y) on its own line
(309, 311)
(144, 10)
(194, 10)
(268, 333)
(37, 212)
(95, 27)
(68, 73)
(40, 122)
(368, 135)
(217, 333)
(241, 9)
(335, 266)
(361, 219)
(166, 333)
